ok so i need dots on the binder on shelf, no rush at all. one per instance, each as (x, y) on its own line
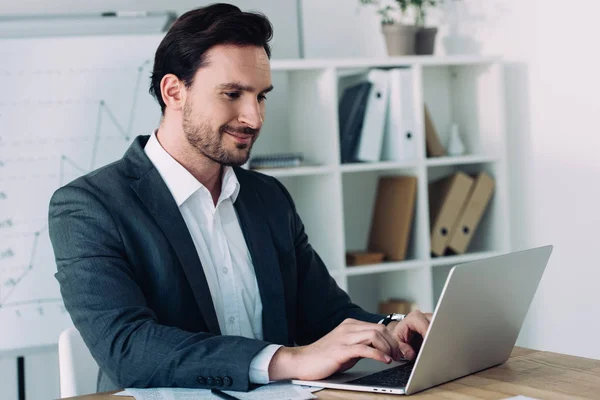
(393, 216)
(433, 144)
(371, 136)
(282, 160)
(477, 202)
(351, 114)
(399, 142)
(447, 197)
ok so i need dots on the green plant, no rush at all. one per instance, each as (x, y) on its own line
(421, 8)
(387, 8)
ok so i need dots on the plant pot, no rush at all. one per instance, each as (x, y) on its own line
(425, 41)
(399, 39)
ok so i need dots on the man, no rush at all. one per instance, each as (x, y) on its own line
(181, 269)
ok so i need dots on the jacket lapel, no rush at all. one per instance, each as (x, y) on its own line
(157, 198)
(265, 261)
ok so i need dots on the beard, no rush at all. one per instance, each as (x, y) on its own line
(209, 142)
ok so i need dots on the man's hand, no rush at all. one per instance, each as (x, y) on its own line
(337, 351)
(410, 332)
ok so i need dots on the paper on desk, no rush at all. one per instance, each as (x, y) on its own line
(275, 391)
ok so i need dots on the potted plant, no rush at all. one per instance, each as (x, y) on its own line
(399, 37)
(425, 37)
(403, 39)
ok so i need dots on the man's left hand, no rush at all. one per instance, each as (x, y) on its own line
(410, 332)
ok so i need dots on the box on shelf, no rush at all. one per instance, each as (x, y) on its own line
(363, 258)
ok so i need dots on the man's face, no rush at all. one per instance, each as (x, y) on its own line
(225, 106)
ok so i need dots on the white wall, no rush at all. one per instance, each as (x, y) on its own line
(552, 86)
(41, 368)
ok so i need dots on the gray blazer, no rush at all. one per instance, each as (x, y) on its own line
(132, 281)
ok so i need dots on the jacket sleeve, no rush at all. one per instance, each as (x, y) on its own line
(321, 304)
(108, 308)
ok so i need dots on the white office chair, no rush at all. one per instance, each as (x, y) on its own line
(78, 370)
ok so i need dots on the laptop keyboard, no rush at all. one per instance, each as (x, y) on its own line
(392, 377)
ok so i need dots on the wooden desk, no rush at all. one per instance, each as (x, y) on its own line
(537, 374)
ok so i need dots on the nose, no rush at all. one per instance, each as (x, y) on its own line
(252, 114)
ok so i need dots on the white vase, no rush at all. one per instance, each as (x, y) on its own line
(455, 146)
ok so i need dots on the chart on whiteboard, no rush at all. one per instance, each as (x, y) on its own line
(68, 106)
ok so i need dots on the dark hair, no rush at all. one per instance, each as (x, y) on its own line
(181, 52)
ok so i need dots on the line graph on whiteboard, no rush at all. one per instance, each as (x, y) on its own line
(66, 121)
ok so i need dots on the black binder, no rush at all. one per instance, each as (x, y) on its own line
(351, 117)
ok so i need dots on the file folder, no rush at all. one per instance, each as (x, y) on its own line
(477, 202)
(393, 216)
(371, 137)
(399, 142)
(446, 200)
(351, 112)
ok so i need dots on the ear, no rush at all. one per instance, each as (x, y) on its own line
(173, 92)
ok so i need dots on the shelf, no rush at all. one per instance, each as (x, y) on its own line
(296, 171)
(463, 258)
(313, 64)
(378, 166)
(461, 160)
(384, 267)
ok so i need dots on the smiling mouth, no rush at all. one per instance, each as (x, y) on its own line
(242, 137)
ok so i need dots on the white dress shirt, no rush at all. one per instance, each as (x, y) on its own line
(222, 249)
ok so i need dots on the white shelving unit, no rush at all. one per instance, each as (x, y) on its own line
(335, 201)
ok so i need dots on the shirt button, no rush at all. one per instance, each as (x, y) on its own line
(231, 320)
(224, 270)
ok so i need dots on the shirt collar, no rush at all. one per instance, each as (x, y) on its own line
(180, 182)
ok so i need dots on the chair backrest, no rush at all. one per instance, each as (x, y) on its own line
(78, 370)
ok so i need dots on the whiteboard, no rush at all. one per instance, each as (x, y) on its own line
(67, 106)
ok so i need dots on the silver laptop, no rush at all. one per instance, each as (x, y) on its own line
(475, 326)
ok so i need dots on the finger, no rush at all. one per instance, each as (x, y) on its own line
(407, 351)
(386, 335)
(364, 351)
(417, 322)
(371, 338)
(429, 316)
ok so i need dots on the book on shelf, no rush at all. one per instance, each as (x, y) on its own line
(281, 160)
(392, 217)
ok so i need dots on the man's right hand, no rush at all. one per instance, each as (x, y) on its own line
(337, 351)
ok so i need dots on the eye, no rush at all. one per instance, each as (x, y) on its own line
(261, 98)
(232, 95)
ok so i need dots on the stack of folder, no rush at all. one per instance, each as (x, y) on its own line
(376, 118)
(457, 204)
